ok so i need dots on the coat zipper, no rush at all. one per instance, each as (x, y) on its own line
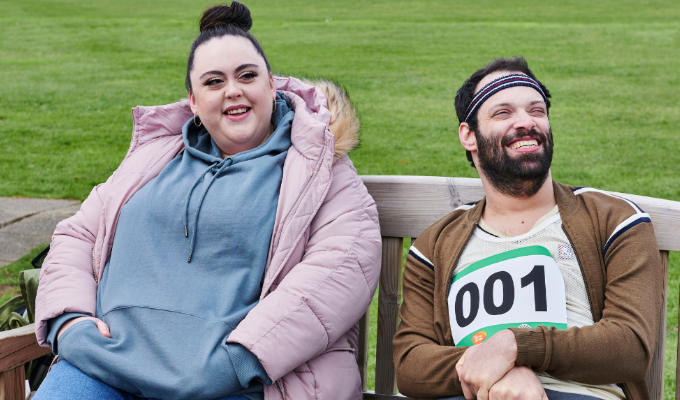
(284, 220)
(94, 265)
(282, 389)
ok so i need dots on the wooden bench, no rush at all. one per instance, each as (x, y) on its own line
(407, 205)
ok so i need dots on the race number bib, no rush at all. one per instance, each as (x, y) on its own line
(517, 288)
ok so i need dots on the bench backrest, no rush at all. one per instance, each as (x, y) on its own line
(409, 204)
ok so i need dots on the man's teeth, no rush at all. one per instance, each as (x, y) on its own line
(524, 143)
(237, 111)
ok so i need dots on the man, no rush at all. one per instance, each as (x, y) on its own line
(539, 290)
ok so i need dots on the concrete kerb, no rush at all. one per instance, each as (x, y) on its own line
(26, 223)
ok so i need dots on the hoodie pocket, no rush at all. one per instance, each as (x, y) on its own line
(155, 353)
(66, 340)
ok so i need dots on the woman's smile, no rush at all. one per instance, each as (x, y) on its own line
(237, 113)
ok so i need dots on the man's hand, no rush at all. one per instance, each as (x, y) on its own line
(101, 326)
(520, 383)
(482, 365)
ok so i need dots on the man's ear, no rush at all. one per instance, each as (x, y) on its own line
(192, 103)
(467, 137)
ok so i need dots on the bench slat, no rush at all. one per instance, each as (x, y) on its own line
(389, 298)
(362, 357)
(12, 386)
(655, 373)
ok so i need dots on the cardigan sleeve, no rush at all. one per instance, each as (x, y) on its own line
(425, 366)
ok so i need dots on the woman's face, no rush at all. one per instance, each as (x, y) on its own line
(232, 93)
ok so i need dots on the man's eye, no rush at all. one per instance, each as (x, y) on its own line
(538, 111)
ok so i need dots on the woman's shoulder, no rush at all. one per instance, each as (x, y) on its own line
(151, 122)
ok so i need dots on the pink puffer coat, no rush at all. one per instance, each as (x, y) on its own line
(324, 257)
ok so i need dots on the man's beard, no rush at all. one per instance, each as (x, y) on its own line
(518, 177)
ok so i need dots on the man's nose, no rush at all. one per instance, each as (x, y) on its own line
(524, 121)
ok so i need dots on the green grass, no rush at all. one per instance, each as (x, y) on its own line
(9, 274)
(71, 70)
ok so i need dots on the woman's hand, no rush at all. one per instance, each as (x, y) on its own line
(518, 384)
(101, 326)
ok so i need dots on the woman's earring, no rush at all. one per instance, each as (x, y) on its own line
(273, 106)
(198, 125)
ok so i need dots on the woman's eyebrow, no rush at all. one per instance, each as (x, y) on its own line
(213, 72)
(238, 69)
(245, 66)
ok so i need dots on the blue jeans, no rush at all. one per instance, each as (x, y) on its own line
(66, 382)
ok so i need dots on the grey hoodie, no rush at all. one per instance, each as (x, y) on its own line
(185, 268)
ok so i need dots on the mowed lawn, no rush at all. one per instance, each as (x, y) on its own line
(70, 71)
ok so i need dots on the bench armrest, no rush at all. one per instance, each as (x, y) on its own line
(17, 347)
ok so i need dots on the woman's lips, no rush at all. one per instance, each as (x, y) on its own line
(237, 113)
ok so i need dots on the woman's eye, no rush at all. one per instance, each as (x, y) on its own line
(248, 75)
(212, 81)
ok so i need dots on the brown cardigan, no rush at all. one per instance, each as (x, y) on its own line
(624, 288)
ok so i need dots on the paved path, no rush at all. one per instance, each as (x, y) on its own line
(26, 223)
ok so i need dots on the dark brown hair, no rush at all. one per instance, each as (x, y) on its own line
(220, 21)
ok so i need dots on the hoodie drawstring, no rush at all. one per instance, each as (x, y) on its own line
(216, 170)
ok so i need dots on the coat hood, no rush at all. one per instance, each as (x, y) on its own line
(326, 103)
(344, 123)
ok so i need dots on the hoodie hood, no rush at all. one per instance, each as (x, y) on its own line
(199, 144)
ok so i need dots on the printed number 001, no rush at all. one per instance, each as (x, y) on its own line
(536, 276)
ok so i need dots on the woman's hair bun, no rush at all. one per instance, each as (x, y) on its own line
(236, 14)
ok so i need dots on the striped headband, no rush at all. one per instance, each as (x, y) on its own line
(496, 86)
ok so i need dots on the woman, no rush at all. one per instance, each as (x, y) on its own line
(231, 253)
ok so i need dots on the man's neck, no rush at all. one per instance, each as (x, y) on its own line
(513, 215)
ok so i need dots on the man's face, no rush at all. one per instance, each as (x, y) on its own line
(514, 139)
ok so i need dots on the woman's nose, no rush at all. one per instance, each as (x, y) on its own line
(232, 90)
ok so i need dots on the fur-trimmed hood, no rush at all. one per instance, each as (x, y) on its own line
(344, 123)
(322, 102)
